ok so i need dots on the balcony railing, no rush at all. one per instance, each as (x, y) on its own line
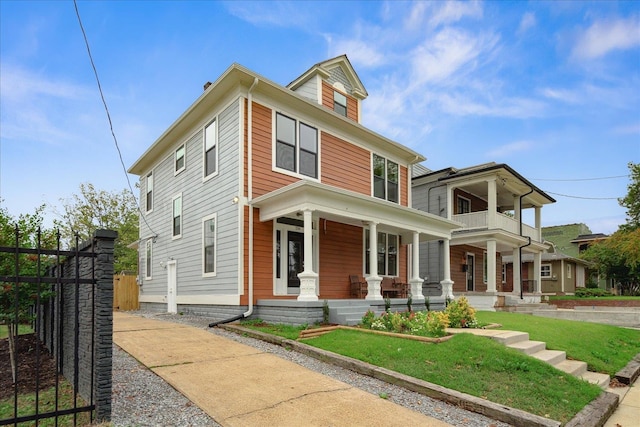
(480, 220)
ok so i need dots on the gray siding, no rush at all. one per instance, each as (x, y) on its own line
(337, 75)
(309, 90)
(199, 199)
(431, 198)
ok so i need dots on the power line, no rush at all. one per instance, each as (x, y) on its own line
(106, 109)
(581, 179)
(584, 198)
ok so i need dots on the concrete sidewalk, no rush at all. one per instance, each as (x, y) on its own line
(238, 385)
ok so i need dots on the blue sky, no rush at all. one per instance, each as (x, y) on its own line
(550, 88)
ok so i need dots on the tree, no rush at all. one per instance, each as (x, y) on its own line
(15, 302)
(94, 209)
(632, 200)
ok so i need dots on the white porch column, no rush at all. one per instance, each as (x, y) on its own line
(492, 195)
(537, 273)
(450, 202)
(308, 278)
(373, 280)
(415, 281)
(517, 264)
(516, 208)
(491, 266)
(447, 283)
(538, 214)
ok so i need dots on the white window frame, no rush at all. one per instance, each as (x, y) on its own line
(458, 199)
(216, 145)
(149, 193)
(385, 271)
(297, 147)
(569, 272)
(173, 216)
(148, 259)
(337, 97)
(214, 217)
(385, 178)
(542, 271)
(176, 158)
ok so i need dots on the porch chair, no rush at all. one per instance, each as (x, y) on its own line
(358, 286)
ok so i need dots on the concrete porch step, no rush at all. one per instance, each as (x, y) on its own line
(572, 367)
(510, 337)
(528, 347)
(596, 378)
(552, 357)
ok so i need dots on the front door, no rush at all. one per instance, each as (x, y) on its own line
(295, 258)
(172, 280)
(471, 272)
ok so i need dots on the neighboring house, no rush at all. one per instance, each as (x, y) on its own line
(560, 273)
(488, 201)
(582, 242)
(562, 236)
(263, 199)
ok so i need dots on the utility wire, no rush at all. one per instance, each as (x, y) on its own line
(106, 109)
(581, 179)
(584, 198)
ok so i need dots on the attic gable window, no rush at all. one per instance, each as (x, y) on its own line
(296, 146)
(385, 179)
(340, 103)
(179, 161)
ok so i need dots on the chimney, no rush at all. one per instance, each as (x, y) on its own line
(206, 85)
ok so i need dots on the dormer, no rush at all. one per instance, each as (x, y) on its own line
(333, 84)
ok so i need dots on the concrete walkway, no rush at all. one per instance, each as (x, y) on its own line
(238, 385)
(628, 412)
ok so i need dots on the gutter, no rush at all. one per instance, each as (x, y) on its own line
(249, 202)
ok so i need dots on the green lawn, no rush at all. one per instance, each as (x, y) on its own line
(605, 348)
(22, 329)
(608, 298)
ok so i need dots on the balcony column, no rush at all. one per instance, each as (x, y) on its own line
(450, 202)
(415, 282)
(447, 283)
(373, 280)
(491, 266)
(517, 265)
(308, 277)
(492, 204)
(537, 272)
(538, 213)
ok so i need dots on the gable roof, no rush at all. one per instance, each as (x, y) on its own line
(324, 70)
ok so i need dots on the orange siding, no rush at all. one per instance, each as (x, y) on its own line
(352, 108)
(345, 165)
(341, 255)
(404, 186)
(327, 101)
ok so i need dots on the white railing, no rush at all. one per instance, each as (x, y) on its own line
(475, 220)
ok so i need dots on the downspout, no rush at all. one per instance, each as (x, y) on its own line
(250, 198)
(523, 246)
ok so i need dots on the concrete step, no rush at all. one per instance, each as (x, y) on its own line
(528, 347)
(596, 378)
(552, 357)
(511, 337)
(572, 367)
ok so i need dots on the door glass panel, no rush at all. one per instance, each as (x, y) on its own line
(295, 256)
(470, 272)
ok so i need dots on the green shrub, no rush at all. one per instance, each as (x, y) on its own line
(368, 319)
(589, 292)
(437, 322)
(461, 314)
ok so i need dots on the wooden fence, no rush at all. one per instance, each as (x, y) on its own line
(125, 293)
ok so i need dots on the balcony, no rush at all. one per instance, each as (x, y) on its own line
(480, 221)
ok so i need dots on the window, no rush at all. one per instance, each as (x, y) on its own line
(485, 264)
(568, 271)
(504, 273)
(464, 205)
(340, 103)
(149, 197)
(545, 271)
(179, 161)
(385, 179)
(387, 254)
(209, 245)
(210, 149)
(296, 146)
(148, 258)
(177, 216)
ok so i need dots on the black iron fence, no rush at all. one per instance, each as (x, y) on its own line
(57, 307)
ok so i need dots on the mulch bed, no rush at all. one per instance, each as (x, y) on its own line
(27, 372)
(604, 302)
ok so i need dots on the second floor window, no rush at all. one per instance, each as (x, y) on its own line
(149, 195)
(385, 179)
(179, 163)
(464, 205)
(177, 216)
(340, 103)
(296, 146)
(210, 149)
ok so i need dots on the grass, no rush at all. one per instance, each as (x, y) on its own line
(473, 365)
(608, 298)
(46, 398)
(281, 330)
(605, 348)
(22, 329)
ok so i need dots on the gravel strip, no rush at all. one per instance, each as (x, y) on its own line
(142, 398)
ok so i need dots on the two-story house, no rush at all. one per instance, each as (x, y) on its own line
(263, 199)
(488, 200)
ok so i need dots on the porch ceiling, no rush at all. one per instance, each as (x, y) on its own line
(352, 208)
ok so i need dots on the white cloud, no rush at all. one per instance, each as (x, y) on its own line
(453, 11)
(509, 149)
(514, 107)
(527, 22)
(607, 36)
(276, 13)
(564, 95)
(359, 52)
(630, 129)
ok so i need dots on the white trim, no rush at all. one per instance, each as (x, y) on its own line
(209, 299)
(173, 216)
(146, 191)
(214, 119)
(473, 272)
(550, 275)
(365, 234)
(485, 267)
(184, 158)
(241, 198)
(214, 217)
(281, 287)
(172, 301)
(386, 180)
(148, 261)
